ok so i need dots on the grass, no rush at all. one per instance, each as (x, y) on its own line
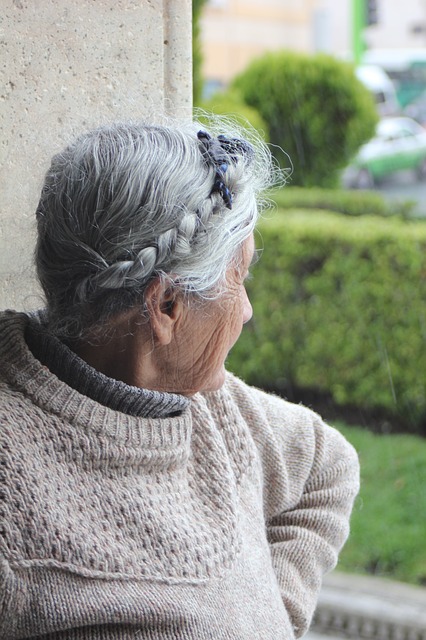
(388, 527)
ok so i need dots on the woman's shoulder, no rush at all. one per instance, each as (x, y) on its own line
(294, 443)
(292, 430)
(253, 401)
(278, 428)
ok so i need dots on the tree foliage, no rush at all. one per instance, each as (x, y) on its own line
(230, 103)
(316, 110)
(197, 83)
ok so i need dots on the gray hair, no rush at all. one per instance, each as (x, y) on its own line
(129, 202)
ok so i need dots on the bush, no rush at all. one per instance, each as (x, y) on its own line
(352, 203)
(339, 309)
(316, 110)
(230, 103)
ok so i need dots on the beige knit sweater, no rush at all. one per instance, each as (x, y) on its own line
(216, 524)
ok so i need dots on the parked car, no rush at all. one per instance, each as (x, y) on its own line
(417, 109)
(399, 143)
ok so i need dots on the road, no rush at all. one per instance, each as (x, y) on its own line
(404, 186)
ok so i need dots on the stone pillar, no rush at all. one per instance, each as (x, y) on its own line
(68, 65)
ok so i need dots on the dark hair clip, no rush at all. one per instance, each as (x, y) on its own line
(219, 152)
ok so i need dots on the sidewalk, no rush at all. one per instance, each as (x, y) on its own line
(352, 606)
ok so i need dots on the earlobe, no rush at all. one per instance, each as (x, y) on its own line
(162, 306)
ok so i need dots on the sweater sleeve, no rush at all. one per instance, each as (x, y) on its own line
(306, 537)
(310, 480)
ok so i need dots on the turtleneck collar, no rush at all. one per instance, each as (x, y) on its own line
(80, 376)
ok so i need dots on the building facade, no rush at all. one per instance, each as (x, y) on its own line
(236, 31)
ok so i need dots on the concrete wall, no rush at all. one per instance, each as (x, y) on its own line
(67, 65)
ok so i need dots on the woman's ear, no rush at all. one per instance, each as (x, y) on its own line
(164, 307)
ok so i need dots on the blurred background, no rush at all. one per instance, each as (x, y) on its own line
(339, 296)
(387, 46)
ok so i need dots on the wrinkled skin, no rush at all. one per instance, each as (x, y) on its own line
(183, 347)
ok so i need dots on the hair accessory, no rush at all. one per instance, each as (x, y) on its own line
(219, 151)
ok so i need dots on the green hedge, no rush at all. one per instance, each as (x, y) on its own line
(339, 308)
(352, 203)
(230, 103)
(315, 108)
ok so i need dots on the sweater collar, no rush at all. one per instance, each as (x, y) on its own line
(77, 374)
(154, 435)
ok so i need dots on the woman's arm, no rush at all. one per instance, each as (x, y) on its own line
(306, 538)
(310, 478)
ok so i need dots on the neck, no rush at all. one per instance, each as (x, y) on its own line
(126, 354)
(89, 381)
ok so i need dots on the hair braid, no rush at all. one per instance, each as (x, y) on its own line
(131, 201)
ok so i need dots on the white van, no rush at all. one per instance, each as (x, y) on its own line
(382, 88)
(405, 67)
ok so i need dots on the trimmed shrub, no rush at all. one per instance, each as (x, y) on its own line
(230, 103)
(316, 110)
(339, 308)
(351, 203)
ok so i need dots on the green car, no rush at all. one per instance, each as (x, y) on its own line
(399, 144)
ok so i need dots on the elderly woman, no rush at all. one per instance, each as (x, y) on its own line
(148, 493)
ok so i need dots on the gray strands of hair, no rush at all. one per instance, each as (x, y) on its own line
(129, 202)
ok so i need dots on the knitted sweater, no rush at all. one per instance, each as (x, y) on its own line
(215, 523)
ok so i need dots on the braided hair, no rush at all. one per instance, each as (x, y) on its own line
(130, 202)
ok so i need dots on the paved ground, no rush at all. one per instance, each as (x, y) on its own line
(356, 606)
(404, 186)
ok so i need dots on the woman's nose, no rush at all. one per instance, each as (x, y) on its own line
(247, 308)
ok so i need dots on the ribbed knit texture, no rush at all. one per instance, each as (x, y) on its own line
(216, 522)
